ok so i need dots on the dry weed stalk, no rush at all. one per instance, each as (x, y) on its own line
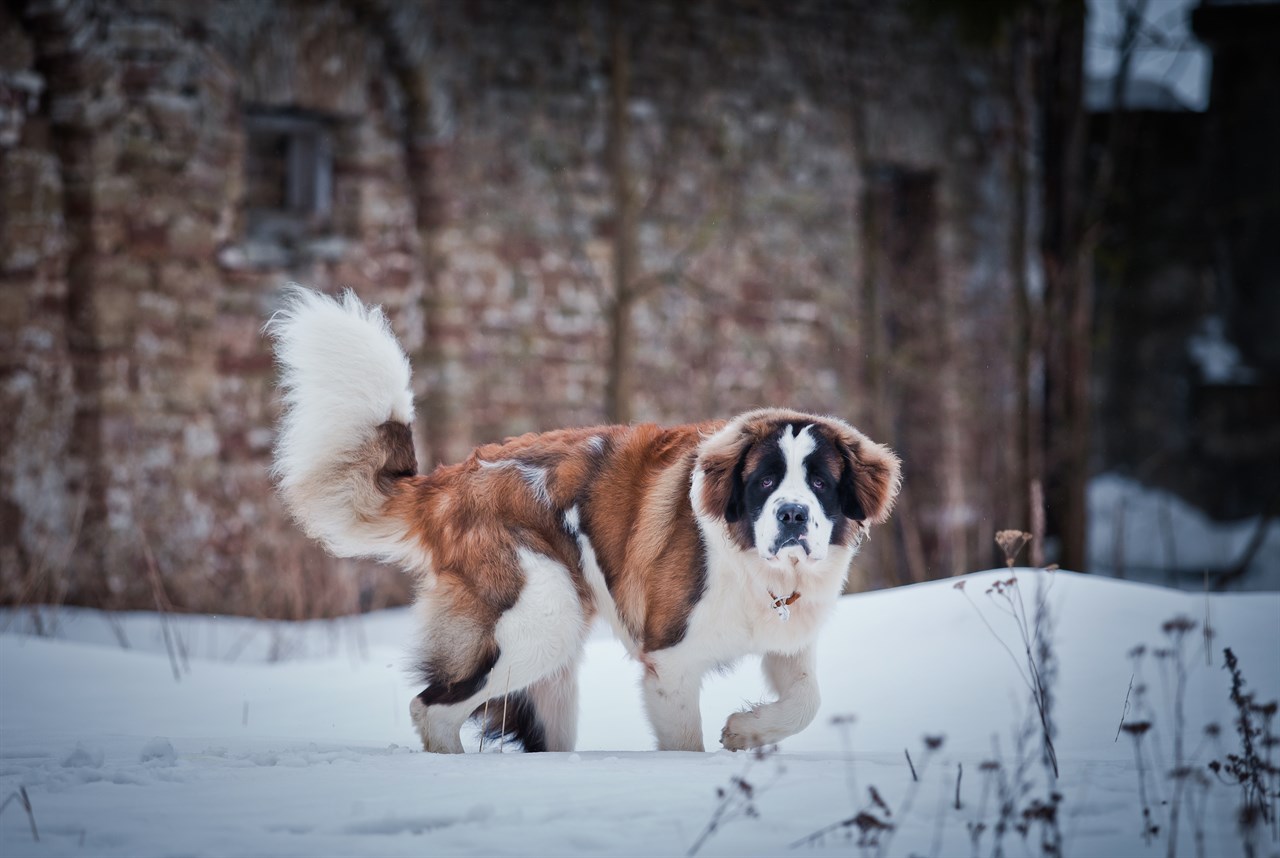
(844, 724)
(484, 720)
(1176, 630)
(1125, 710)
(870, 827)
(738, 798)
(1187, 784)
(932, 744)
(173, 642)
(25, 801)
(1013, 785)
(872, 821)
(940, 813)
(505, 695)
(48, 579)
(978, 825)
(1137, 730)
(1033, 632)
(1037, 667)
(1248, 769)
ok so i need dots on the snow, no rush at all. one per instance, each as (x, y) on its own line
(293, 739)
(1150, 535)
(1139, 94)
(1168, 59)
(1216, 357)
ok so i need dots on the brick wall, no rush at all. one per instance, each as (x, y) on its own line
(471, 196)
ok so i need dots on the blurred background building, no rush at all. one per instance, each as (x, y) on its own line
(1018, 242)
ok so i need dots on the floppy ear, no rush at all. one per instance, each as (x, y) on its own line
(736, 508)
(723, 491)
(871, 479)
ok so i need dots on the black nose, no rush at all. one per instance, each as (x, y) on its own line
(793, 515)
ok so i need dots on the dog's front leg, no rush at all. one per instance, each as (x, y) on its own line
(792, 678)
(671, 691)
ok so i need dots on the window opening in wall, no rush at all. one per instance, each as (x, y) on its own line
(288, 173)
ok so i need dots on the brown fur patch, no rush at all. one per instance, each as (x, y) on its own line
(635, 511)
(396, 443)
(630, 485)
(876, 472)
(722, 466)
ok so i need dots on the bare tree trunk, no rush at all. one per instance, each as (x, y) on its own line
(1024, 469)
(1079, 411)
(619, 386)
(446, 431)
(1068, 279)
(1074, 207)
(447, 435)
(915, 395)
(872, 337)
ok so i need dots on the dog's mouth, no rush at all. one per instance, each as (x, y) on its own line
(793, 546)
(794, 540)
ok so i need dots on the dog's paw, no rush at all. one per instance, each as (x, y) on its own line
(742, 732)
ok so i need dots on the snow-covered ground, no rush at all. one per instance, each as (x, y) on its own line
(294, 739)
(1145, 534)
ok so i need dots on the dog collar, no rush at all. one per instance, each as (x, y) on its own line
(782, 605)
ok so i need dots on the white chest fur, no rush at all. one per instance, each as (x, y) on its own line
(736, 615)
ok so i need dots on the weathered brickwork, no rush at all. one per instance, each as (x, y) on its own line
(470, 193)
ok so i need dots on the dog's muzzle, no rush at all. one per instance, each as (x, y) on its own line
(793, 528)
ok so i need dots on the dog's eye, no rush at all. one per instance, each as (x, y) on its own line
(817, 483)
(766, 483)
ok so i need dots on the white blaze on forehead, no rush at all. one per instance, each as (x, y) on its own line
(796, 446)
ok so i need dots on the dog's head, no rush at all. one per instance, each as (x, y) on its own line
(790, 485)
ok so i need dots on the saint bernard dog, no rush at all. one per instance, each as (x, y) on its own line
(699, 544)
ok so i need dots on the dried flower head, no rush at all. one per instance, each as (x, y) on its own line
(878, 800)
(1011, 542)
(1179, 625)
(867, 823)
(1136, 728)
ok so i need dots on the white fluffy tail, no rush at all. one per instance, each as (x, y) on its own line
(344, 437)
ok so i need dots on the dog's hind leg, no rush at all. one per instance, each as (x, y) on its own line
(439, 724)
(539, 637)
(554, 699)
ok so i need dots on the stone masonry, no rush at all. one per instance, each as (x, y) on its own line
(813, 177)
